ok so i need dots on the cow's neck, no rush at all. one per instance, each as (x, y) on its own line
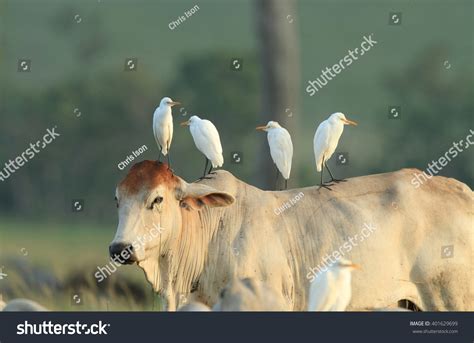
(176, 271)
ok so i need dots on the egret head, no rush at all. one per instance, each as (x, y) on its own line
(168, 102)
(346, 265)
(270, 125)
(191, 120)
(340, 117)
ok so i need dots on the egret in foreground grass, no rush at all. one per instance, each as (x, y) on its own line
(163, 126)
(281, 148)
(325, 142)
(207, 140)
(331, 290)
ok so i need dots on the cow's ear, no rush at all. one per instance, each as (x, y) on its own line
(197, 196)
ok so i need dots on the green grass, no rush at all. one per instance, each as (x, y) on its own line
(69, 254)
(56, 246)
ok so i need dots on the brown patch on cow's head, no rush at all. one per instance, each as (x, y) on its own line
(147, 174)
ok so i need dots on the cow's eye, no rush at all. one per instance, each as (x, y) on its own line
(158, 200)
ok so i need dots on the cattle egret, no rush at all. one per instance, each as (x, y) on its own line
(163, 126)
(194, 306)
(281, 148)
(250, 294)
(325, 142)
(331, 290)
(206, 138)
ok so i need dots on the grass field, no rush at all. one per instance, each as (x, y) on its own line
(54, 265)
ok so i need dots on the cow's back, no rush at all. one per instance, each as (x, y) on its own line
(397, 231)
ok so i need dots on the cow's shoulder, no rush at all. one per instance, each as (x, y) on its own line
(224, 180)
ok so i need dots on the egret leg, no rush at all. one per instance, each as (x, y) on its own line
(210, 170)
(276, 177)
(332, 177)
(286, 184)
(168, 159)
(204, 177)
(205, 166)
(159, 155)
(322, 184)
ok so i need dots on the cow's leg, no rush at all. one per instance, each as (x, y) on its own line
(170, 299)
(332, 177)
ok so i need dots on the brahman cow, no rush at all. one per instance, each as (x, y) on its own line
(417, 245)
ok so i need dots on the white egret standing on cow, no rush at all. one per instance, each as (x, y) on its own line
(163, 126)
(207, 140)
(331, 290)
(325, 142)
(281, 148)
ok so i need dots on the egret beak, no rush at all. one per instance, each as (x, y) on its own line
(355, 266)
(172, 103)
(261, 128)
(185, 123)
(349, 122)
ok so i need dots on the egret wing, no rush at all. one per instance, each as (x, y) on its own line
(208, 141)
(321, 143)
(156, 134)
(281, 150)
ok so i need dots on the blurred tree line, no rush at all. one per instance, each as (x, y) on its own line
(438, 107)
(102, 118)
(116, 112)
(116, 109)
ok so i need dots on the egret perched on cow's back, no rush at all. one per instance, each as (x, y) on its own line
(281, 148)
(207, 140)
(163, 126)
(325, 142)
(331, 290)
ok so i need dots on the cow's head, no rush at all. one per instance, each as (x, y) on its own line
(151, 203)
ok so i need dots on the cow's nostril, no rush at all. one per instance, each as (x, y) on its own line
(122, 253)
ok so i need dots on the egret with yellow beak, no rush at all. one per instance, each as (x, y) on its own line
(207, 140)
(325, 142)
(163, 126)
(281, 148)
(331, 290)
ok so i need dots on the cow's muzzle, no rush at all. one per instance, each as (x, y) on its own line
(122, 253)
